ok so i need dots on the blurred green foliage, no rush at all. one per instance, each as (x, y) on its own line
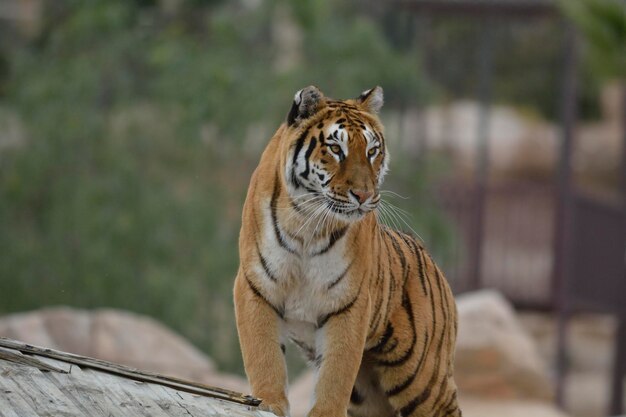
(142, 125)
(603, 25)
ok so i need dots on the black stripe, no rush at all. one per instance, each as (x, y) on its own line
(411, 406)
(443, 389)
(340, 277)
(392, 346)
(283, 348)
(279, 236)
(307, 155)
(308, 350)
(379, 301)
(299, 145)
(296, 152)
(444, 294)
(432, 306)
(378, 347)
(406, 304)
(445, 403)
(445, 407)
(264, 264)
(256, 292)
(400, 254)
(335, 236)
(420, 267)
(391, 283)
(356, 398)
(413, 247)
(404, 385)
(425, 394)
(324, 319)
(401, 387)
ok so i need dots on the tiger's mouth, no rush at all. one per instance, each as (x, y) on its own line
(349, 210)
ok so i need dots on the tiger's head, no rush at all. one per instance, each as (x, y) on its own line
(334, 152)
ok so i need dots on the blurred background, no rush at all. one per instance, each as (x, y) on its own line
(129, 131)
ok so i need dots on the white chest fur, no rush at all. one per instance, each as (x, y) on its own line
(306, 286)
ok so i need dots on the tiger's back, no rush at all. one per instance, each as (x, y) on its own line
(366, 304)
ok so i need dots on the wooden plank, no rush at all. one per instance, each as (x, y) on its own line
(18, 357)
(30, 395)
(85, 392)
(226, 409)
(83, 382)
(89, 392)
(11, 403)
(64, 366)
(176, 383)
(119, 390)
(175, 405)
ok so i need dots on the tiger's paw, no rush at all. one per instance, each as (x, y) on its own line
(319, 412)
(281, 409)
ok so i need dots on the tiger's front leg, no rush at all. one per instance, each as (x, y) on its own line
(340, 342)
(258, 328)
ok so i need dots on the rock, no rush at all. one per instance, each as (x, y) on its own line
(117, 336)
(495, 357)
(480, 407)
(590, 339)
(590, 357)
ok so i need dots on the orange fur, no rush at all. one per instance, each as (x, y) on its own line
(366, 304)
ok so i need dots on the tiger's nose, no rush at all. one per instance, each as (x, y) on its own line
(361, 195)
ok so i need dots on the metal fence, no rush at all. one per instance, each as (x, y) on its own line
(543, 244)
(517, 240)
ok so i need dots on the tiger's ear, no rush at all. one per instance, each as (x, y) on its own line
(371, 100)
(305, 104)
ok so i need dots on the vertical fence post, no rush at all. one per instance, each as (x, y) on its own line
(563, 202)
(619, 366)
(485, 78)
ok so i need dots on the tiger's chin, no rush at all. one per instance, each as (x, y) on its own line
(351, 216)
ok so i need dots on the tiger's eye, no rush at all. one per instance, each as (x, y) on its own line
(336, 149)
(372, 152)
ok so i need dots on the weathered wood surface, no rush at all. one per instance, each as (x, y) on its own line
(42, 382)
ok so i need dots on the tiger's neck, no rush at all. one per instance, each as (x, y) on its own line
(305, 224)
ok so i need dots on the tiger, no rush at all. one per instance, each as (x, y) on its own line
(366, 304)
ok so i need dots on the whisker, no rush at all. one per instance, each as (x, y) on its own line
(394, 194)
(300, 204)
(389, 217)
(401, 215)
(311, 217)
(321, 220)
(306, 210)
(299, 195)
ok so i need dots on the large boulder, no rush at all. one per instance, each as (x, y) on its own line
(495, 357)
(481, 407)
(117, 336)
